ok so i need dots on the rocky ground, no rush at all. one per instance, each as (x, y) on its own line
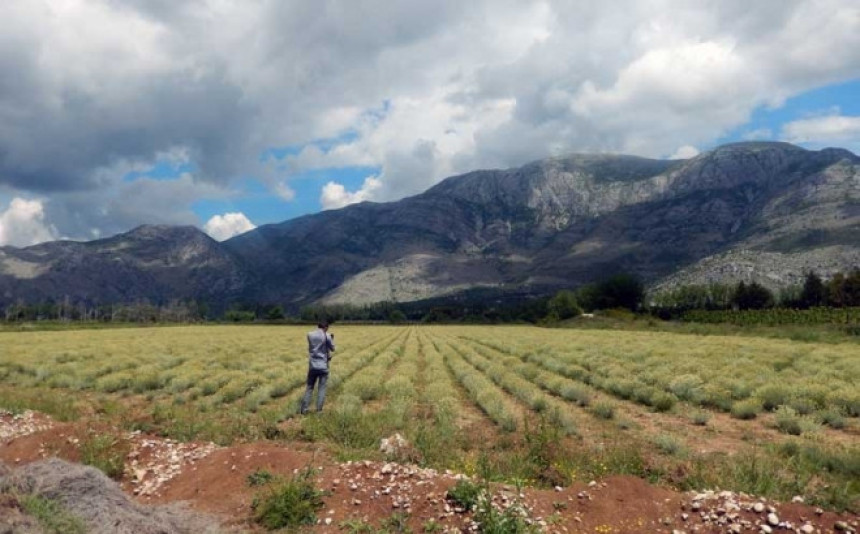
(213, 482)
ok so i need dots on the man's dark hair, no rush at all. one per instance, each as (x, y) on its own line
(322, 324)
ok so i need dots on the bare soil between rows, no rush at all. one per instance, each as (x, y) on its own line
(214, 481)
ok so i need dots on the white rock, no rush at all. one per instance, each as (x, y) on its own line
(758, 507)
(807, 529)
(772, 519)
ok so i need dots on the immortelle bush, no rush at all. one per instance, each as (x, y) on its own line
(746, 409)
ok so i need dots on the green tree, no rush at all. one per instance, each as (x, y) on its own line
(836, 291)
(619, 291)
(564, 305)
(814, 292)
(851, 288)
(752, 297)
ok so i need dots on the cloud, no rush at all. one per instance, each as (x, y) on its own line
(92, 89)
(222, 227)
(335, 195)
(23, 224)
(828, 129)
(685, 152)
(758, 134)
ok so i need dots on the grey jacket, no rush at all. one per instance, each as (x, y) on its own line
(320, 347)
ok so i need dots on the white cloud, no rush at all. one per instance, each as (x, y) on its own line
(685, 152)
(23, 224)
(758, 134)
(335, 195)
(222, 227)
(284, 191)
(828, 129)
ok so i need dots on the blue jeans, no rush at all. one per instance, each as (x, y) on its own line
(315, 375)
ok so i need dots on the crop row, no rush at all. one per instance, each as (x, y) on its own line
(776, 316)
(807, 379)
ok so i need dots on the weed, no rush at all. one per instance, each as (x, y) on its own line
(52, 517)
(396, 523)
(465, 494)
(667, 444)
(260, 477)
(290, 503)
(431, 526)
(105, 452)
(510, 520)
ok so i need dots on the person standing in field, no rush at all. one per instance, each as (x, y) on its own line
(320, 347)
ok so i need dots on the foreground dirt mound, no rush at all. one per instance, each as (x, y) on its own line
(88, 494)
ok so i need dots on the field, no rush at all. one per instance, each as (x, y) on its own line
(541, 407)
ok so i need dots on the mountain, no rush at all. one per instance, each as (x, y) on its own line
(158, 263)
(764, 211)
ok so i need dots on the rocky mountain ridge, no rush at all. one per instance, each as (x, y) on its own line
(553, 223)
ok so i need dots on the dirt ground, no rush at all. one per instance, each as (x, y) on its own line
(215, 480)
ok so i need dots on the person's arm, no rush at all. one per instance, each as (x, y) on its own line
(329, 339)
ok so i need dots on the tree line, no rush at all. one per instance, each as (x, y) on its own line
(842, 290)
(619, 291)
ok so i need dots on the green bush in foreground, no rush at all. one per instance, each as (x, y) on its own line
(290, 503)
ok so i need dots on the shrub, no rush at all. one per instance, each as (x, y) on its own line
(577, 394)
(291, 503)
(667, 444)
(700, 417)
(662, 401)
(603, 410)
(787, 421)
(687, 387)
(773, 396)
(832, 418)
(746, 409)
(803, 405)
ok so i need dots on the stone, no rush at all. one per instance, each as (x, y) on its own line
(772, 519)
(758, 507)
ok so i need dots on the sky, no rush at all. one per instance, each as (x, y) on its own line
(231, 114)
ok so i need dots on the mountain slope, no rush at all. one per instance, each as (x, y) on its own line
(766, 211)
